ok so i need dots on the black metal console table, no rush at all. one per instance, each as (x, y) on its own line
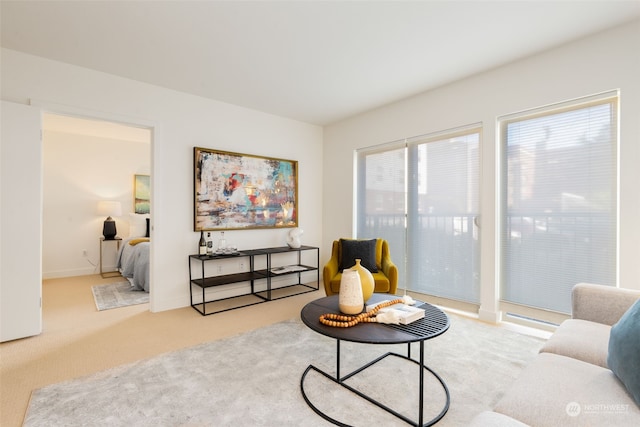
(258, 279)
(435, 323)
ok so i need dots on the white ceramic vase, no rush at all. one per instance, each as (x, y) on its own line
(350, 299)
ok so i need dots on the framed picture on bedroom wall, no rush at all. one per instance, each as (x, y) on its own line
(234, 191)
(141, 194)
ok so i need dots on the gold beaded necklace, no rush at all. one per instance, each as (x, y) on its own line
(342, 321)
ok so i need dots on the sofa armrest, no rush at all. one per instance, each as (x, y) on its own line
(601, 304)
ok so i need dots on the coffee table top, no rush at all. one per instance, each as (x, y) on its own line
(434, 323)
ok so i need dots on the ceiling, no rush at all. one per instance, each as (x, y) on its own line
(314, 61)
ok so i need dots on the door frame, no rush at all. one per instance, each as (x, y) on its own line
(152, 126)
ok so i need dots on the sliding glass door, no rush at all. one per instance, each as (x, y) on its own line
(381, 199)
(443, 206)
(422, 195)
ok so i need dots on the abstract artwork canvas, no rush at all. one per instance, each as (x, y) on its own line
(242, 191)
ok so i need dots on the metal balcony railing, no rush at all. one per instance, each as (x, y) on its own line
(547, 251)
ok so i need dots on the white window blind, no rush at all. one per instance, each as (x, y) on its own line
(381, 198)
(422, 196)
(559, 198)
(443, 201)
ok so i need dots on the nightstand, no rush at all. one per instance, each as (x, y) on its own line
(103, 241)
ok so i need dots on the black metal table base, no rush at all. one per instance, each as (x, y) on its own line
(341, 381)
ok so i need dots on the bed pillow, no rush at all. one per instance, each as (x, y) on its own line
(624, 348)
(139, 225)
(135, 241)
(365, 250)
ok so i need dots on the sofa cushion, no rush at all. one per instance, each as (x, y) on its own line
(624, 350)
(365, 250)
(580, 339)
(555, 390)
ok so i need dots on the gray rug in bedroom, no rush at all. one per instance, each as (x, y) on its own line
(253, 379)
(114, 295)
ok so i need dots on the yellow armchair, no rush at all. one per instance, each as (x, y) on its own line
(386, 278)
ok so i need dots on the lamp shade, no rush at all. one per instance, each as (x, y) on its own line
(109, 208)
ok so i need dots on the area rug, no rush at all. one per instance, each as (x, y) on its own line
(253, 379)
(114, 295)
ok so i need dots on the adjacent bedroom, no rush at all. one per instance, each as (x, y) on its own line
(96, 207)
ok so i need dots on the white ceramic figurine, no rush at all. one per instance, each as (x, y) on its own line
(293, 238)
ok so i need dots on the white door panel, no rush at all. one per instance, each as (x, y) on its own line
(20, 222)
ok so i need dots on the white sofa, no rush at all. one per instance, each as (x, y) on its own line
(569, 382)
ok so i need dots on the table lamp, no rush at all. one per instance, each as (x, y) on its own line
(109, 208)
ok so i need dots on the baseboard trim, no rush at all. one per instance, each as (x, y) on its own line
(88, 271)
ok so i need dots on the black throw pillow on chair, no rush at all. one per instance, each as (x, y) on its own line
(365, 250)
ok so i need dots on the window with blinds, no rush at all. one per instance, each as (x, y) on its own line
(559, 201)
(381, 198)
(422, 195)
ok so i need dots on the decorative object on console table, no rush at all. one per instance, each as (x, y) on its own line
(209, 244)
(109, 208)
(293, 237)
(241, 191)
(222, 243)
(202, 245)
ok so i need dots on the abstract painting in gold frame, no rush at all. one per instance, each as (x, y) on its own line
(235, 191)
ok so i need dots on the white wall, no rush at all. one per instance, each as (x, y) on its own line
(610, 60)
(180, 122)
(80, 170)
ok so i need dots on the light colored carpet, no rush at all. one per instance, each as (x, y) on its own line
(253, 379)
(114, 295)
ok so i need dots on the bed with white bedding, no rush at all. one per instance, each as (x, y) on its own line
(133, 262)
(133, 257)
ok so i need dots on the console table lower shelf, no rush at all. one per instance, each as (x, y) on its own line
(435, 323)
(213, 306)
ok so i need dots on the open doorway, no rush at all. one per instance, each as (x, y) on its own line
(87, 162)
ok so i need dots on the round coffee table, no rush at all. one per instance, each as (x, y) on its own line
(435, 323)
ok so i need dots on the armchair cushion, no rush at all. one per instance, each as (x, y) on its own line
(365, 250)
(624, 348)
